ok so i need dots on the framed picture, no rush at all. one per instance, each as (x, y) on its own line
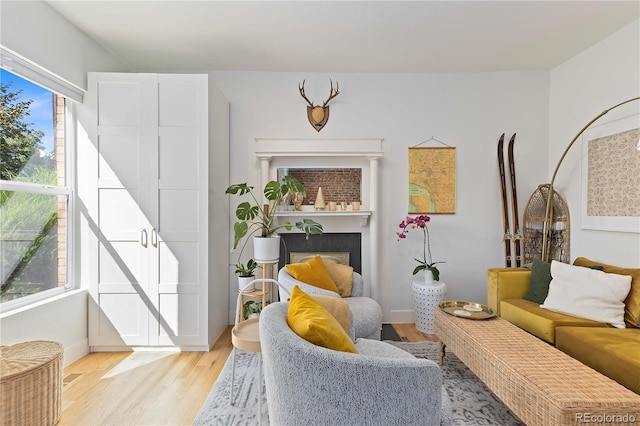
(432, 180)
(611, 176)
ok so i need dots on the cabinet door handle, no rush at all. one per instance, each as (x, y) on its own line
(143, 238)
(154, 237)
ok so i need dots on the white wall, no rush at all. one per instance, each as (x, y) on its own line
(62, 319)
(581, 88)
(33, 30)
(466, 110)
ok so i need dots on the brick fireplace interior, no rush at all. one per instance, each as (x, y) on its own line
(338, 184)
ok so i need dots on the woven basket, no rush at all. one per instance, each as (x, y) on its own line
(31, 383)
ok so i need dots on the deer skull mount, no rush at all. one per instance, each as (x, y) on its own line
(319, 115)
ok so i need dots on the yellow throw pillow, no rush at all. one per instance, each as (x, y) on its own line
(336, 307)
(313, 272)
(342, 275)
(309, 320)
(632, 302)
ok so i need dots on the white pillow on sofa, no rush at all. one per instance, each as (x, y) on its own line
(587, 293)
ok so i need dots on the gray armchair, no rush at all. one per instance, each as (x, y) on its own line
(381, 385)
(366, 314)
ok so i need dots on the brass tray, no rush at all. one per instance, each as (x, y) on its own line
(469, 310)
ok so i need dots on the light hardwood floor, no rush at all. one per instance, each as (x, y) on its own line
(152, 388)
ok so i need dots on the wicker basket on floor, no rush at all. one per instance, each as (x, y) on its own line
(31, 383)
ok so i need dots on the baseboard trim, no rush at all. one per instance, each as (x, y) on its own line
(401, 317)
(74, 352)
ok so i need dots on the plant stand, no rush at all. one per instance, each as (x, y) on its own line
(425, 299)
(265, 292)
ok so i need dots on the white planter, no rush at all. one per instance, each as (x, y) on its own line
(242, 283)
(266, 249)
(428, 277)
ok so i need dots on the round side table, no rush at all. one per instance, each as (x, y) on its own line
(425, 299)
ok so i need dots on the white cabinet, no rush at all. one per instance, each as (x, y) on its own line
(153, 181)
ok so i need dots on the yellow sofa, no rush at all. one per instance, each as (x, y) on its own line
(614, 352)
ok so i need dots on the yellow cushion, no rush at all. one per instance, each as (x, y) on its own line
(309, 320)
(632, 302)
(613, 352)
(540, 322)
(336, 307)
(342, 276)
(313, 272)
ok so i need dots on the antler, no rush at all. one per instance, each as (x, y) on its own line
(332, 93)
(301, 89)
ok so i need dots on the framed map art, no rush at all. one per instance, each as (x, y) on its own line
(432, 180)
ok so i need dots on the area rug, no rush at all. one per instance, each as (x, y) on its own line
(472, 402)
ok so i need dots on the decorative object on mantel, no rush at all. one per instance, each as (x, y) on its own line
(426, 263)
(432, 179)
(295, 199)
(547, 230)
(252, 218)
(319, 115)
(319, 204)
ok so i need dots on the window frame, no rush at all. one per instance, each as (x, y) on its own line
(41, 77)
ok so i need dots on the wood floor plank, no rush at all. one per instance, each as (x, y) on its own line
(152, 388)
(409, 333)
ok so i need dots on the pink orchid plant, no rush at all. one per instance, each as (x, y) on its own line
(420, 222)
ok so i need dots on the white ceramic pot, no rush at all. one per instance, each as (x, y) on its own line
(242, 283)
(428, 277)
(266, 249)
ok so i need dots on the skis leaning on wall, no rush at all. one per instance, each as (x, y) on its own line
(506, 238)
(517, 234)
(509, 237)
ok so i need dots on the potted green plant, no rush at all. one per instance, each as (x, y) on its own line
(251, 309)
(254, 218)
(245, 273)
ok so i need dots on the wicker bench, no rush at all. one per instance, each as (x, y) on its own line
(31, 383)
(540, 384)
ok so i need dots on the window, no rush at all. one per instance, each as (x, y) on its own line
(35, 193)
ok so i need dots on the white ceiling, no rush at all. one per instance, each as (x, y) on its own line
(354, 36)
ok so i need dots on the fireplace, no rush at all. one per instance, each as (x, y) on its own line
(344, 230)
(325, 244)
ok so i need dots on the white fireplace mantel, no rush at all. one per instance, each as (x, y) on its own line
(331, 153)
(364, 148)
